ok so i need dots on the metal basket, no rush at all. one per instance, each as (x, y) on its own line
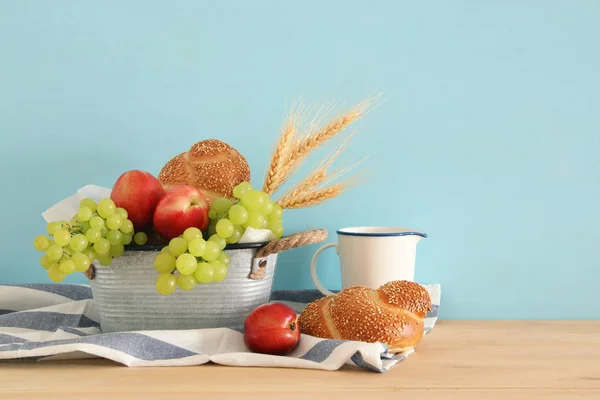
(126, 299)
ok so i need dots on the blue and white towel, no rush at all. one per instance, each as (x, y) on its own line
(59, 321)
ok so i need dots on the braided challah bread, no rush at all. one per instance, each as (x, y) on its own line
(212, 166)
(394, 314)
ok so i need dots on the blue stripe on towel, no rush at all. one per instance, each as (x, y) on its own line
(73, 292)
(435, 311)
(3, 312)
(322, 350)
(74, 331)
(134, 344)
(357, 359)
(8, 339)
(46, 321)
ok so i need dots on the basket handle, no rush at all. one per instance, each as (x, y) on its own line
(290, 242)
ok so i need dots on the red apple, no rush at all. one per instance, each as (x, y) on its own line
(180, 208)
(138, 192)
(272, 329)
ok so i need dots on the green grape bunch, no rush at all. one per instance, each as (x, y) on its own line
(189, 260)
(97, 232)
(252, 208)
(199, 258)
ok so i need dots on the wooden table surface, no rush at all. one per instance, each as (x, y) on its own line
(457, 360)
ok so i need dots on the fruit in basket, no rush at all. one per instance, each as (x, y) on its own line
(137, 193)
(98, 231)
(212, 166)
(188, 260)
(181, 207)
(272, 329)
(250, 208)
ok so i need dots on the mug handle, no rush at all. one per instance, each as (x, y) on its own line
(313, 269)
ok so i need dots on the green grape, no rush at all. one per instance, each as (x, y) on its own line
(211, 252)
(164, 262)
(224, 228)
(186, 264)
(75, 221)
(178, 246)
(218, 240)
(105, 260)
(224, 258)
(186, 282)
(82, 262)
(90, 253)
(114, 237)
(267, 208)
(89, 203)
(196, 247)
(116, 250)
(257, 220)
(140, 238)
(96, 223)
(127, 226)
(253, 200)
(45, 261)
(114, 222)
(212, 227)
(165, 250)
(204, 272)
(106, 208)
(219, 270)
(78, 242)
(42, 243)
(277, 211)
(242, 188)
(126, 238)
(67, 266)
(103, 231)
(85, 226)
(212, 214)
(276, 228)
(93, 235)
(237, 235)
(53, 227)
(238, 214)
(101, 247)
(55, 274)
(55, 252)
(221, 204)
(62, 237)
(85, 214)
(166, 284)
(192, 233)
(122, 212)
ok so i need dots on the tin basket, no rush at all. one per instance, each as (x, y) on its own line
(126, 299)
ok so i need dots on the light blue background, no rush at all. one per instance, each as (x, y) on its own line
(488, 139)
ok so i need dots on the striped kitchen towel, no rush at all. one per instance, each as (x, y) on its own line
(59, 321)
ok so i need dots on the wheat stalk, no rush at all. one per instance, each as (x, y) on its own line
(280, 153)
(320, 176)
(311, 198)
(316, 137)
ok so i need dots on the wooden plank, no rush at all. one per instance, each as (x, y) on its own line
(458, 359)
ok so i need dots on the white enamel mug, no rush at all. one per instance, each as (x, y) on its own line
(372, 256)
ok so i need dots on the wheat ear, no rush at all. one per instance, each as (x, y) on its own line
(319, 175)
(311, 198)
(304, 146)
(273, 175)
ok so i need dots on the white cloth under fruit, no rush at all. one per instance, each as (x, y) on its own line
(59, 321)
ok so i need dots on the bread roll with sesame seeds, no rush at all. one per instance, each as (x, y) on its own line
(394, 315)
(212, 166)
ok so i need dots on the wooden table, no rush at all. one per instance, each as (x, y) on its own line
(457, 360)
